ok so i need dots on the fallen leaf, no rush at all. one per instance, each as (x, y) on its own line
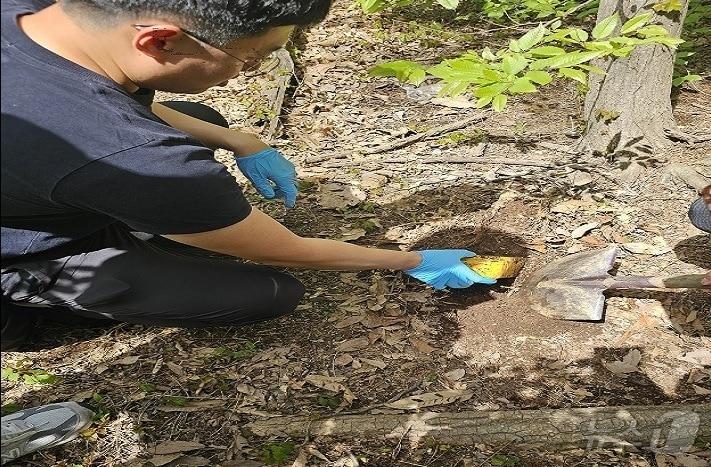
(659, 247)
(376, 363)
(701, 391)
(459, 102)
(698, 357)
(343, 359)
(359, 343)
(192, 461)
(175, 368)
(455, 375)
(629, 363)
(172, 447)
(159, 461)
(583, 229)
(126, 360)
(331, 383)
(422, 346)
(431, 398)
(579, 178)
(350, 321)
(352, 234)
(572, 205)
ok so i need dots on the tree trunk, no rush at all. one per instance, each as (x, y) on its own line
(628, 109)
(664, 427)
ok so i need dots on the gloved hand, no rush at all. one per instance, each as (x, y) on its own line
(444, 268)
(271, 174)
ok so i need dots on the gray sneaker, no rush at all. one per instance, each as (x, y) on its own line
(42, 427)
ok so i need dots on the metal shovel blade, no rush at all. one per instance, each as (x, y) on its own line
(572, 287)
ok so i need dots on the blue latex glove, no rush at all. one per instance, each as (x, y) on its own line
(271, 174)
(444, 268)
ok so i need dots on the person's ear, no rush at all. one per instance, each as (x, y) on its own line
(152, 40)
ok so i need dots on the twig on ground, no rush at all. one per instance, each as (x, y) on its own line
(401, 143)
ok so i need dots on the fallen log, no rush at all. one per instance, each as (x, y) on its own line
(667, 427)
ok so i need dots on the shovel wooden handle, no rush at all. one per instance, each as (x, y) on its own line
(686, 281)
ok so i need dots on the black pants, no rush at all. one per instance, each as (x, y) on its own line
(138, 278)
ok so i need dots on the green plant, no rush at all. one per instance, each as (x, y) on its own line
(9, 408)
(175, 401)
(533, 60)
(147, 387)
(330, 401)
(696, 33)
(248, 350)
(21, 371)
(276, 453)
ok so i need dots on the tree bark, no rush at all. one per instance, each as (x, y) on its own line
(664, 427)
(628, 109)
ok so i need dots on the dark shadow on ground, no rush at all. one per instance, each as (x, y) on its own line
(695, 250)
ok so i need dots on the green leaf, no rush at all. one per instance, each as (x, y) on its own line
(593, 69)
(521, 86)
(547, 51)
(539, 76)
(635, 23)
(491, 90)
(532, 37)
(405, 71)
(668, 41)
(678, 81)
(454, 88)
(488, 54)
(277, 453)
(372, 6)
(483, 102)
(565, 61)
(9, 408)
(574, 74)
(449, 4)
(606, 27)
(652, 30)
(499, 102)
(579, 35)
(10, 374)
(667, 6)
(513, 64)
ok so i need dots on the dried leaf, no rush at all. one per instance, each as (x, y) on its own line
(455, 375)
(629, 363)
(659, 247)
(172, 447)
(175, 368)
(343, 359)
(376, 363)
(352, 234)
(359, 343)
(331, 383)
(422, 346)
(698, 357)
(579, 178)
(350, 321)
(159, 461)
(701, 391)
(583, 229)
(126, 360)
(431, 398)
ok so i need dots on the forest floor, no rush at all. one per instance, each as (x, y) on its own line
(375, 336)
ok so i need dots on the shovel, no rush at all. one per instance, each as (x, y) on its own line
(572, 287)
